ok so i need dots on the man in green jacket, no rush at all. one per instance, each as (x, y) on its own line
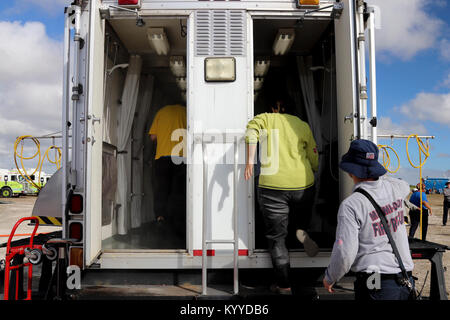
(289, 158)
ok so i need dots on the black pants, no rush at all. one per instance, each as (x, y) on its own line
(445, 213)
(389, 289)
(170, 192)
(415, 221)
(276, 207)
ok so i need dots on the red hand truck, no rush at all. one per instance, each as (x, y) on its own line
(32, 254)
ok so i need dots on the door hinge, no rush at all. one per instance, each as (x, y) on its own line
(77, 90)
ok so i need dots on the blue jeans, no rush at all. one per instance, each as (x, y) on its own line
(390, 290)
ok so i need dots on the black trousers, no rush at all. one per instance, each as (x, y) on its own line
(389, 289)
(445, 213)
(277, 206)
(170, 192)
(415, 222)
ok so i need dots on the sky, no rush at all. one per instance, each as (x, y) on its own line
(413, 77)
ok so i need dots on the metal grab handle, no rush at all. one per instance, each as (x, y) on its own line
(235, 240)
(204, 224)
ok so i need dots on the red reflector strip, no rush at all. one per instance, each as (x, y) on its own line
(128, 2)
(243, 252)
(199, 252)
(417, 255)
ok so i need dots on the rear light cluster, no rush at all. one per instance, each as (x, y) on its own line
(129, 2)
(76, 203)
(75, 227)
(76, 256)
(309, 2)
(76, 231)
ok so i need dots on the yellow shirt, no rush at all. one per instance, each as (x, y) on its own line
(291, 151)
(167, 120)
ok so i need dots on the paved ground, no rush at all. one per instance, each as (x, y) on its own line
(12, 209)
(439, 234)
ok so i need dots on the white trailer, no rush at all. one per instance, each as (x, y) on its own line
(122, 63)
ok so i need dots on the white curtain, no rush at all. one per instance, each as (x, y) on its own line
(309, 97)
(138, 215)
(126, 117)
(306, 78)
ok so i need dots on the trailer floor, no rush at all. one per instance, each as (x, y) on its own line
(344, 291)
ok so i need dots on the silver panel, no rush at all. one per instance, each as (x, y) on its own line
(220, 33)
(48, 202)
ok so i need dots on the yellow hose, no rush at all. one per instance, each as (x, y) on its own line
(425, 149)
(41, 159)
(387, 158)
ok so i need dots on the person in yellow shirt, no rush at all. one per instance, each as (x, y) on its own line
(168, 131)
(286, 181)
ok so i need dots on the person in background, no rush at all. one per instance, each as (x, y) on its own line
(286, 182)
(362, 245)
(170, 167)
(446, 202)
(415, 213)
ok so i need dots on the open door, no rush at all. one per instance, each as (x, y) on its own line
(94, 133)
(346, 85)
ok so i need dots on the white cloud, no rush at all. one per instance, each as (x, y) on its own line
(406, 28)
(446, 82)
(30, 84)
(444, 48)
(428, 106)
(387, 127)
(51, 7)
(411, 175)
(30, 54)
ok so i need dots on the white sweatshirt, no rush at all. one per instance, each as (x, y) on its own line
(361, 244)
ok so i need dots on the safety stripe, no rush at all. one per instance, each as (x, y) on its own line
(49, 221)
(242, 252)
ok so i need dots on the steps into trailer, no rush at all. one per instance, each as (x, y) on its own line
(186, 285)
(193, 292)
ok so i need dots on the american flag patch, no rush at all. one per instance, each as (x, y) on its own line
(370, 155)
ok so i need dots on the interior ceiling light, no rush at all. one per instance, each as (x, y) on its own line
(257, 84)
(261, 67)
(220, 69)
(283, 41)
(177, 66)
(158, 40)
(181, 82)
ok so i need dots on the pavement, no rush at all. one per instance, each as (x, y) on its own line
(12, 209)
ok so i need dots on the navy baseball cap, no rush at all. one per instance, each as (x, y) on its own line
(361, 160)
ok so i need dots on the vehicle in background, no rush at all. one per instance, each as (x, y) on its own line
(12, 183)
(435, 185)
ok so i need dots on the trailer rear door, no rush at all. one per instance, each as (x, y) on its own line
(95, 76)
(346, 84)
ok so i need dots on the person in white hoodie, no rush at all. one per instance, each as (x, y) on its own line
(362, 245)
